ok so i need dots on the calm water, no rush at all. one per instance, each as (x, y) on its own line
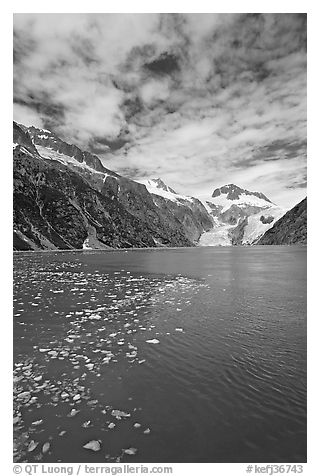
(222, 380)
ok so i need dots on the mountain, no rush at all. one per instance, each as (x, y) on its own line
(158, 184)
(233, 192)
(64, 198)
(240, 216)
(188, 210)
(290, 229)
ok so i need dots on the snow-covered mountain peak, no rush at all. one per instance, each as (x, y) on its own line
(44, 133)
(158, 187)
(158, 183)
(240, 216)
(233, 192)
(49, 140)
(231, 196)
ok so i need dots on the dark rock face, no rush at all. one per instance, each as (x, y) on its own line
(22, 138)
(236, 233)
(192, 215)
(163, 186)
(232, 215)
(215, 209)
(233, 192)
(289, 229)
(57, 206)
(160, 221)
(266, 220)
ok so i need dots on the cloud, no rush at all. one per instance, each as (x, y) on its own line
(197, 99)
(27, 116)
(154, 91)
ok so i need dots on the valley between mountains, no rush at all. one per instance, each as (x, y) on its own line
(64, 198)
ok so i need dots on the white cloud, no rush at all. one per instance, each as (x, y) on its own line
(27, 116)
(227, 103)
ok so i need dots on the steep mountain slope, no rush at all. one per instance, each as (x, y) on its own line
(54, 208)
(240, 216)
(188, 210)
(290, 229)
(65, 198)
(134, 196)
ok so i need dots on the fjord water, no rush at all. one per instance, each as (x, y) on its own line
(222, 380)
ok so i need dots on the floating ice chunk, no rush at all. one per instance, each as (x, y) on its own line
(120, 414)
(32, 445)
(46, 447)
(92, 402)
(53, 353)
(147, 431)
(111, 425)
(153, 341)
(24, 395)
(130, 451)
(36, 423)
(95, 316)
(93, 445)
(137, 425)
(179, 329)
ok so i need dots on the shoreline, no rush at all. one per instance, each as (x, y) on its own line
(304, 245)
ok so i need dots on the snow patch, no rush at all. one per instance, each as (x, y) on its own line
(154, 189)
(86, 245)
(243, 201)
(49, 153)
(255, 228)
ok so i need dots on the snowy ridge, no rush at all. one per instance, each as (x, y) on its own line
(49, 153)
(256, 228)
(157, 187)
(243, 201)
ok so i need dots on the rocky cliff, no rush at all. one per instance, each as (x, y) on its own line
(290, 229)
(189, 211)
(65, 198)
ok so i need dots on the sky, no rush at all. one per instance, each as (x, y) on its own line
(200, 100)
